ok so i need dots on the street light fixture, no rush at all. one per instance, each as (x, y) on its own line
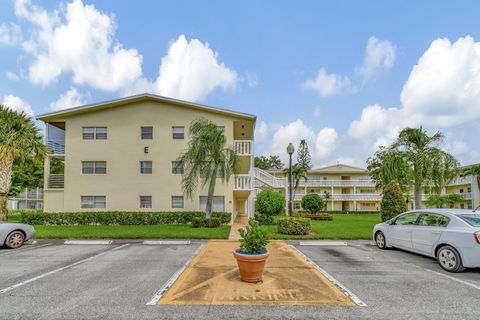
(290, 151)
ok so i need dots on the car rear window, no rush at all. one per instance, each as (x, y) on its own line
(471, 219)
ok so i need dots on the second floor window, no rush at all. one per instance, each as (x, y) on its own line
(146, 167)
(176, 168)
(178, 132)
(147, 133)
(145, 202)
(90, 202)
(94, 133)
(94, 167)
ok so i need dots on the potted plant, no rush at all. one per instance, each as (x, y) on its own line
(252, 254)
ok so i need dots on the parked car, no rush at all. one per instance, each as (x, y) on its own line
(452, 236)
(14, 235)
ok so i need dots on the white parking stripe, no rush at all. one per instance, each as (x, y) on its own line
(58, 270)
(11, 251)
(454, 279)
(323, 243)
(88, 242)
(163, 242)
(337, 283)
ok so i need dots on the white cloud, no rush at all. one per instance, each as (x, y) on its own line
(16, 103)
(12, 76)
(325, 143)
(326, 84)
(10, 35)
(77, 39)
(69, 99)
(191, 71)
(379, 55)
(261, 131)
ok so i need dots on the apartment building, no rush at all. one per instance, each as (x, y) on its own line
(120, 155)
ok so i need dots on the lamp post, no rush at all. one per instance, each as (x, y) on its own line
(290, 151)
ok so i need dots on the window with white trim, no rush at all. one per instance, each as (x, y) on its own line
(94, 167)
(94, 133)
(178, 202)
(177, 168)
(147, 133)
(178, 132)
(93, 202)
(146, 167)
(145, 202)
(218, 203)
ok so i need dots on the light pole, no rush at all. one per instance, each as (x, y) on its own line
(290, 151)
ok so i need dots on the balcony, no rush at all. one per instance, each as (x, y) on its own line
(243, 147)
(243, 182)
(346, 197)
(56, 146)
(465, 195)
(55, 181)
(311, 182)
(461, 180)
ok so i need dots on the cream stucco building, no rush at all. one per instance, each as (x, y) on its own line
(120, 156)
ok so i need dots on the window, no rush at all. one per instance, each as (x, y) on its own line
(297, 206)
(178, 132)
(218, 203)
(94, 167)
(178, 202)
(145, 202)
(145, 166)
(433, 220)
(177, 168)
(471, 219)
(90, 202)
(407, 219)
(147, 133)
(94, 133)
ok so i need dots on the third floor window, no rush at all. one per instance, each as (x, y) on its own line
(94, 167)
(178, 132)
(146, 167)
(94, 133)
(147, 133)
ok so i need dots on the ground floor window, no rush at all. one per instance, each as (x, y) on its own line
(297, 206)
(218, 203)
(145, 202)
(97, 202)
(177, 202)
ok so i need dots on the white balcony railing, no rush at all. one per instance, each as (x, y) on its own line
(346, 197)
(55, 181)
(243, 182)
(243, 147)
(266, 178)
(56, 146)
(336, 183)
(461, 180)
(465, 195)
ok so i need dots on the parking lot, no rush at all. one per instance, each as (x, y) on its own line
(52, 280)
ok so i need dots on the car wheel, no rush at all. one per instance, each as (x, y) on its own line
(450, 259)
(15, 240)
(380, 240)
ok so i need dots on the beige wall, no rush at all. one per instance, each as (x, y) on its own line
(124, 149)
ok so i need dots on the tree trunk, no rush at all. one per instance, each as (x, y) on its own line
(417, 196)
(211, 192)
(5, 183)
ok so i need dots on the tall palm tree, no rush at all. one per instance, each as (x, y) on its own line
(206, 158)
(327, 196)
(20, 140)
(298, 173)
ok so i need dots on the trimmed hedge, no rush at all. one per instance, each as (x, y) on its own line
(316, 216)
(205, 222)
(341, 212)
(115, 218)
(293, 226)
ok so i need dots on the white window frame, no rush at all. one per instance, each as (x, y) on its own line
(147, 205)
(176, 135)
(142, 168)
(96, 135)
(214, 206)
(176, 206)
(176, 169)
(146, 135)
(97, 202)
(95, 165)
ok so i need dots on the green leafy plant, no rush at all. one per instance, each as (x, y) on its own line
(253, 239)
(293, 226)
(205, 222)
(269, 203)
(312, 202)
(393, 202)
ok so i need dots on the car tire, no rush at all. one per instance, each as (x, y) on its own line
(380, 240)
(15, 240)
(449, 259)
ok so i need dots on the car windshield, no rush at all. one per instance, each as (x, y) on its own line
(471, 219)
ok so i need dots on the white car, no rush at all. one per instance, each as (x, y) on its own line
(452, 236)
(14, 235)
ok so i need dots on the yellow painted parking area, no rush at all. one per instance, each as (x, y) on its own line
(213, 279)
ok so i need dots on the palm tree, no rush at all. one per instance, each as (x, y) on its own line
(435, 200)
(298, 173)
(206, 158)
(20, 140)
(453, 198)
(473, 171)
(417, 160)
(327, 196)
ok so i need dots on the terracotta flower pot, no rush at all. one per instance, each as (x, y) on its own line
(251, 265)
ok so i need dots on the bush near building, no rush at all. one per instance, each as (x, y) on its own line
(393, 202)
(205, 222)
(313, 203)
(269, 203)
(115, 218)
(293, 226)
(319, 216)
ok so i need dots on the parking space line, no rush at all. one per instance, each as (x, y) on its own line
(454, 279)
(158, 295)
(11, 251)
(89, 242)
(59, 269)
(337, 283)
(164, 242)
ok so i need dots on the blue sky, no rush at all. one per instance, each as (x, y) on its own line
(345, 75)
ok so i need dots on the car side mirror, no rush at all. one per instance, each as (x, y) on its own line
(389, 222)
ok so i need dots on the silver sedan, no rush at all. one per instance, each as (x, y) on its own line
(14, 235)
(452, 236)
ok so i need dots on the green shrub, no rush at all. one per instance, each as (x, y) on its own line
(293, 226)
(263, 219)
(115, 218)
(205, 222)
(319, 216)
(393, 202)
(253, 239)
(312, 202)
(269, 203)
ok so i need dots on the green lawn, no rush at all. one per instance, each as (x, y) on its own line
(342, 227)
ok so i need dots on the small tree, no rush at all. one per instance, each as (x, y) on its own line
(269, 203)
(303, 156)
(393, 202)
(327, 197)
(312, 202)
(268, 163)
